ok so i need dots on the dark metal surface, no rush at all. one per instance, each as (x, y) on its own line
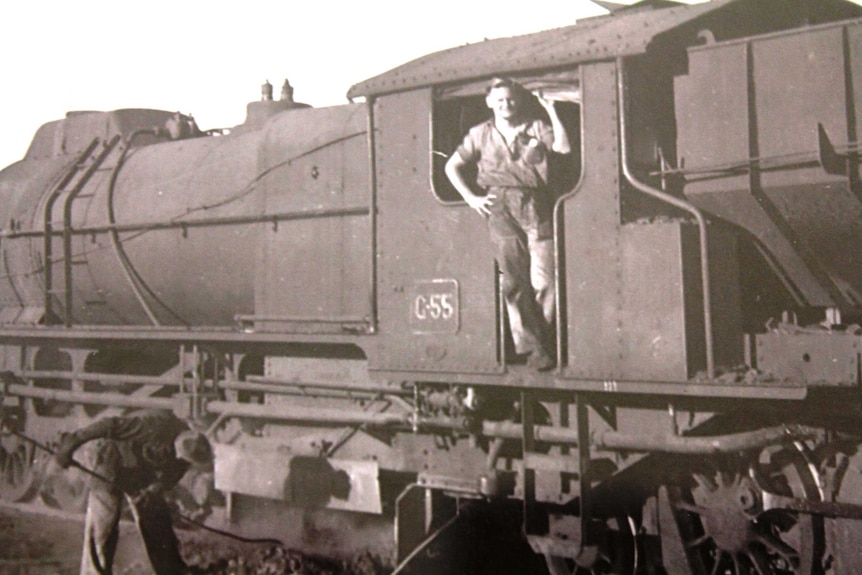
(635, 301)
(810, 356)
(428, 252)
(315, 159)
(592, 220)
(303, 202)
(703, 236)
(762, 170)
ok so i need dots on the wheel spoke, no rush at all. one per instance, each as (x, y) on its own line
(12, 472)
(779, 547)
(558, 565)
(8, 472)
(705, 481)
(691, 507)
(713, 514)
(18, 476)
(613, 552)
(716, 567)
(17, 469)
(760, 563)
(699, 541)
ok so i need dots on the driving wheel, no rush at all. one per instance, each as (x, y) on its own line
(19, 475)
(724, 528)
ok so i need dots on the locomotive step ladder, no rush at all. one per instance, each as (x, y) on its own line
(70, 186)
(560, 555)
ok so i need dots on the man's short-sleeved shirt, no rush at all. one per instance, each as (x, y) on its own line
(523, 163)
(145, 443)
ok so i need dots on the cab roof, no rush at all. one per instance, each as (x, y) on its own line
(626, 31)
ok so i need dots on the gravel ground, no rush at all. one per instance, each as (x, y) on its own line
(49, 543)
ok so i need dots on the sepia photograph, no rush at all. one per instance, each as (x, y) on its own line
(568, 287)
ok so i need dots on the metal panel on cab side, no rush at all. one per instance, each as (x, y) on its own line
(652, 307)
(659, 320)
(634, 290)
(436, 302)
(592, 233)
(712, 100)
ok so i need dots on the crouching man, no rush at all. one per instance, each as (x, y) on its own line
(139, 456)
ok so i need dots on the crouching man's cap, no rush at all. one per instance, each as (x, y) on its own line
(194, 448)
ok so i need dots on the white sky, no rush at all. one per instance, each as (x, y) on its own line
(209, 58)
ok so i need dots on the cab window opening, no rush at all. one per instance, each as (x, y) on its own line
(457, 109)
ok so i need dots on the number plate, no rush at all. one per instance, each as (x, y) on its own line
(434, 306)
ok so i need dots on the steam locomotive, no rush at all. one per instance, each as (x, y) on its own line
(308, 288)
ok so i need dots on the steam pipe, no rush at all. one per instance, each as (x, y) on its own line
(197, 223)
(378, 390)
(305, 414)
(104, 378)
(372, 212)
(616, 441)
(301, 390)
(678, 203)
(109, 399)
(729, 443)
(126, 265)
(611, 440)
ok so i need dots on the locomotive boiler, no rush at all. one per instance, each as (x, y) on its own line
(309, 289)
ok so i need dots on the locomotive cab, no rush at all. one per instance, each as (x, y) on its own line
(606, 233)
(626, 219)
(438, 310)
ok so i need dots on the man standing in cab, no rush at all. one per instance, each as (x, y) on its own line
(510, 152)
